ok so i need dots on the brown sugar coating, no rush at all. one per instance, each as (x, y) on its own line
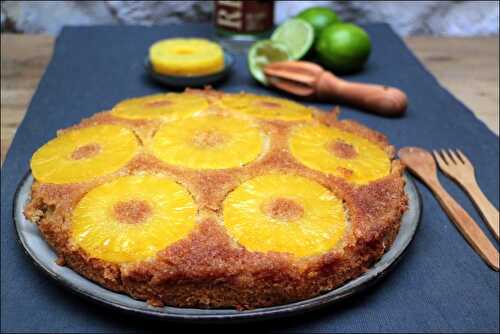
(208, 139)
(284, 209)
(132, 211)
(86, 151)
(342, 150)
(267, 104)
(208, 269)
(154, 104)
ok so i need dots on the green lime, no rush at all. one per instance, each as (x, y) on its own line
(319, 18)
(343, 47)
(297, 35)
(262, 53)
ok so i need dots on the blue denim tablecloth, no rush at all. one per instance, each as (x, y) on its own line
(440, 284)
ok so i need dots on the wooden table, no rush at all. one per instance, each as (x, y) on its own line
(468, 67)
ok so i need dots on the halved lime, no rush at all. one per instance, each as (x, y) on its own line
(262, 53)
(297, 35)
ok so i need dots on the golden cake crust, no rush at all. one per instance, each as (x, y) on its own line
(208, 269)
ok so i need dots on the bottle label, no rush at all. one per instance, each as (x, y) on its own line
(244, 16)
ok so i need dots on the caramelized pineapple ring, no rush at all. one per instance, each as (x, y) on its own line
(284, 213)
(132, 218)
(266, 107)
(83, 154)
(186, 57)
(208, 142)
(341, 153)
(169, 106)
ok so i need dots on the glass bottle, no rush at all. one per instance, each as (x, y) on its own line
(243, 21)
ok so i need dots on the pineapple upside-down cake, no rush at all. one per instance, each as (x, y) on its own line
(207, 199)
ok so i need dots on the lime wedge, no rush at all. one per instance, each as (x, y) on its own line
(297, 35)
(262, 53)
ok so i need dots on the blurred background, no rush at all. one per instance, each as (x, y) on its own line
(408, 18)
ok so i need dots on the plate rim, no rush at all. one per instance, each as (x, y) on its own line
(218, 315)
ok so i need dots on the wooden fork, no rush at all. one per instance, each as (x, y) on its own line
(456, 165)
(421, 163)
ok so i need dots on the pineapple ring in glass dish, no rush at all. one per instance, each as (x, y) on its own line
(266, 107)
(83, 154)
(208, 142)
(340, 153)
(284, 213)
(131, 218)
(169, 106)
(186, 57)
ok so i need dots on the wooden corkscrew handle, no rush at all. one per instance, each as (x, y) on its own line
(382, 100)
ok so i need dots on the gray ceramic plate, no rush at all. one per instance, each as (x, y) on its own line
(182, 82)
(43, 256)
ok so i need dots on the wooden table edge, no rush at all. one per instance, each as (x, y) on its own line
(21, 51)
